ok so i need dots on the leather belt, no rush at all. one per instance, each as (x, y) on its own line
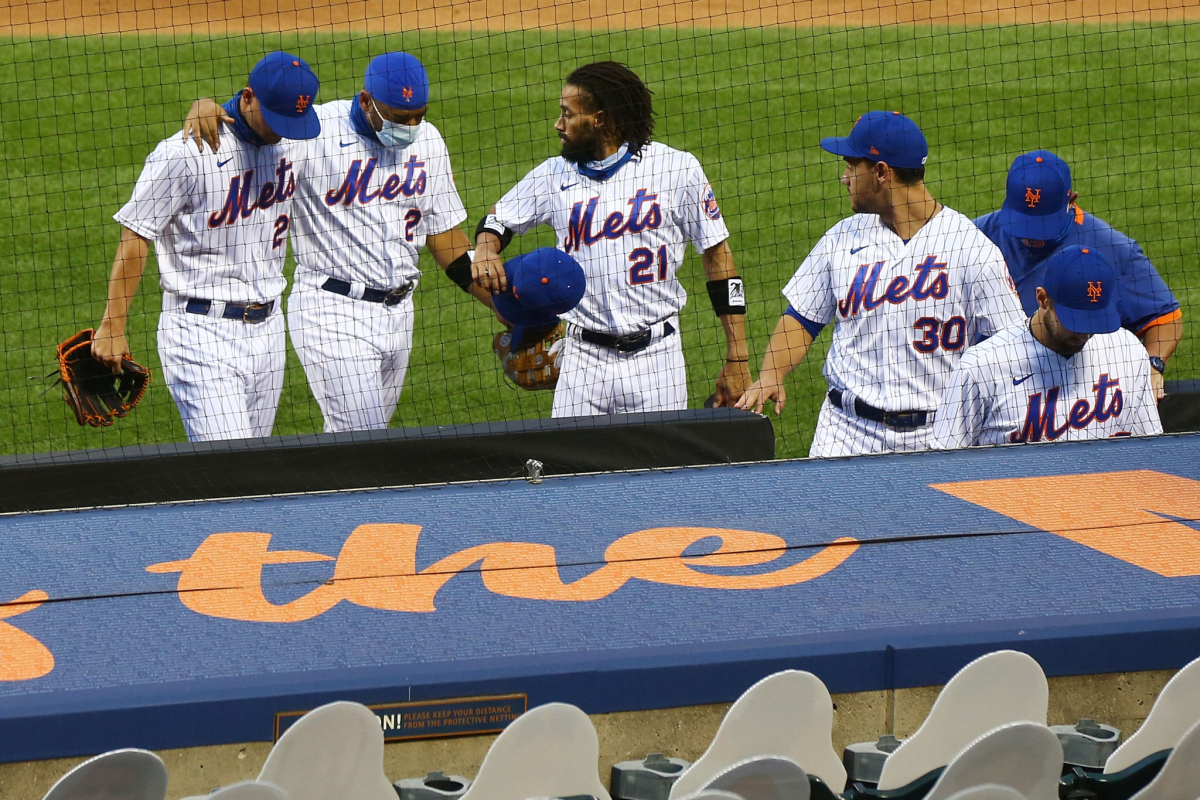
(388, 298)
(629, 343)
(902, 420)
(252, 312)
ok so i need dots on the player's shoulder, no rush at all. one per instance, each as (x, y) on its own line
(859, 227)
(1005, 345)
(989, 223)
(334, 109)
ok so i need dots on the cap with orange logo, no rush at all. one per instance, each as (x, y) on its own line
(286, 89)
(398, 80)
(1083, 285)
(886, 136)
(1035, 201)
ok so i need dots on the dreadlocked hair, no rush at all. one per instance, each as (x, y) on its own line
(614, 89)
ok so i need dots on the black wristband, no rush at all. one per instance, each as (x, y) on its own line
(728, 296)
(496, 229)
(459, 271)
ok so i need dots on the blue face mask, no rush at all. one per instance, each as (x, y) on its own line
(395, 134)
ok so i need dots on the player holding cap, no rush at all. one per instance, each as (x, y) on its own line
(910, 285)
(1040, 216)
(625, 208)
(374, 188)
(1067, 374)
(219, 226)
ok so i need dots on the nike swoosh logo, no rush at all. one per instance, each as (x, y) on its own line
(345, 144)
(566, 186)
(854, 250)
(226, 161)
(1019, 382)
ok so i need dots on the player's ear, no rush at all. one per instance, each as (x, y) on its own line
(247, 99)
(882, 171)
(1043, 299)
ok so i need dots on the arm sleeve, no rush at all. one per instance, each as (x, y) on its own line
(527, 204)
(162, 191)
(994, 301)
(810, 291)
(1145, 296)
(960, 415)
(696, 211)
(814, 328)
(444, 208)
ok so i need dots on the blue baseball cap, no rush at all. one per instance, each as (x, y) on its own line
(542, 284)
(1035, 198)
(286, 89)
(398, 80)
(886, 136)
(1083, 286)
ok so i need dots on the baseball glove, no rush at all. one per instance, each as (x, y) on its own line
(531, 366)
(91, 389)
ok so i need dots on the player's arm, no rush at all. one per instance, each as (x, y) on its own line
(203, 123)
(109, 344)
(451, 250)
(487, 270)
(1161, 339)
(788, 346)
(728, 296)
(960, 414)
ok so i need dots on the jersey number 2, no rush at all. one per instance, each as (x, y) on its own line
(934, 334)
(281, 226)
(643, 261)
(411, 220)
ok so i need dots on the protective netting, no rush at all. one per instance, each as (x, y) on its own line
(88, 93)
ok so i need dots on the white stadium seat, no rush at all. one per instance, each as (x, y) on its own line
(786, 714)
(763, 778)
(246, 790)
(1179, 778)
(1174, 712)
(549, 751)
(1023, 756)
(129, 774)
(989, 791)
(334, 752)
(993, 690)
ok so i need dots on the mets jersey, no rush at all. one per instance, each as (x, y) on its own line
(1144, 301)
(219, 221)
(905, 312)
(1012, 389)
(628, 232)
(364, 210)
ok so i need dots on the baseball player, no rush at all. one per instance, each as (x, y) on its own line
(219, 224)
(1069, 373)
(625, 208)
(375, 187)
(1040, 216)
(909, 283)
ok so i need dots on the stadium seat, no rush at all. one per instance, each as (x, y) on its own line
(786, 714)
(1025, 756)
(763, 778)
(129, 774)
(246, 790)
(549, 751)
(1180, 776)
(1173, 714)
(993, 690)
(988, 791)
(335, 751)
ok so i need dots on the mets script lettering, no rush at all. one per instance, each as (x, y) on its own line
(238, 203)
(358, 178)
(616, 224)
(861, 296)
(377, 569)
(1039, 418)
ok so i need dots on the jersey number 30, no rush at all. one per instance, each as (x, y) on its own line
(949, 336)
(643, 262)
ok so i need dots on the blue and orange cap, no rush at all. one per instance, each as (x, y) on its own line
(1083, 286)
(286, 89)
(1035, 198)
(398, 80)
(886, 136)
(542, 284)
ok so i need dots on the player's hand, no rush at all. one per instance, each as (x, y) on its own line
(766, 388)
(1157, 384)
(110, 347)
(487, 270)
(731, 383)
(203, 123)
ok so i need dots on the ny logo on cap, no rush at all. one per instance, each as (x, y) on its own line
(302, 102)
(1094, 290)
(407, 93)
(1032, 197)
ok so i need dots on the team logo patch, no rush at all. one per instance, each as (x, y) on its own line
(711, 209)
(1094, 291)
(302, 102)
(1032, 197)
(408, 93)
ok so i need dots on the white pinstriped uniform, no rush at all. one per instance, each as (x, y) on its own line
(219, 224)
(629, 233)
(362, 214)
(904, 314)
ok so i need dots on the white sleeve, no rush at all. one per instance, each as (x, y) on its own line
(443, 207)
(962, 412)
(165, 187)
(527, 204)
(1146, 420)
(810, 291)
(994, 301)
(696, 211)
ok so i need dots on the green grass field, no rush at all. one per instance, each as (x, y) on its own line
(80, 115)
